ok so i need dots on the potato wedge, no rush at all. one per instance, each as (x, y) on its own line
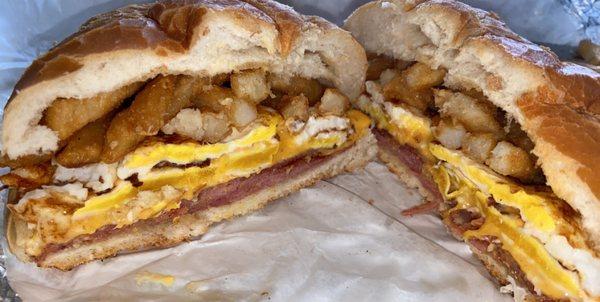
(153, 107)
(66, 116)
(85, 146)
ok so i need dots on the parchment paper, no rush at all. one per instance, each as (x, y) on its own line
(341, 240)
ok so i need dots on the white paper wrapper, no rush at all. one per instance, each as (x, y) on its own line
(342, 240)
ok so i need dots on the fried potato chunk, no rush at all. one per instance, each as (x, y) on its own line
(377, 65)
(85, 146)
(242, 112)
(450, 134)
(213, 98)
(188, 123)
(388, 75)
(66, 116)
(507, 159)
(420, 76)
(475, 115)
(30, 177)
(333, 102)
(216, 126)
(153, 107)
(24, 161)
(412, 85)
(293, 86)
(479, 146)
(250, 85)
(294, 107)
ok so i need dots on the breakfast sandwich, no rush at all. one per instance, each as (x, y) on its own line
(155, 121)
(500, 137)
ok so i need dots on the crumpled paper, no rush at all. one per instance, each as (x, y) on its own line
(343, 239)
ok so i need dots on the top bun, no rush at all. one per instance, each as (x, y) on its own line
(556, 103)
(201, 37)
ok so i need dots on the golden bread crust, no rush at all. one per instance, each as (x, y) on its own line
(556, 103)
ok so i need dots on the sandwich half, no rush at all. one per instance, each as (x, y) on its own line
(499, 136)
(155, 121)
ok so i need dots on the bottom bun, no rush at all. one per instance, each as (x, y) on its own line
(189, 226)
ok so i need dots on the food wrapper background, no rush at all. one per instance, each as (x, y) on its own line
(343, 239)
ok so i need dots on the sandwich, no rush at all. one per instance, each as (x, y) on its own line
(500, 137)
(155, 121)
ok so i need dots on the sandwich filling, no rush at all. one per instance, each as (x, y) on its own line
(176, 144)
(478, 167)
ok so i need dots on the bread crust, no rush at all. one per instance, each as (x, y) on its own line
(196, 37)
(195, 224)
(556, 103)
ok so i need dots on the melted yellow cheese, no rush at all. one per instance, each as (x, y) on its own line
(544, 272)
(471, 184)
(534, 208)
(268, 143)
(406, 127)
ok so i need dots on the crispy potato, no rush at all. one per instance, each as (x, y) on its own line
(242, 112)
(479, 145)
(377, 65)
(397, 89)
(450, 134)
(216, 126)
(85, 146)
(293, 86)
(510, 160)
(66, 116)
(250, 85)
(388, 75)
(333, 102)
(154, 106)
(475, 115)
(420, 76)
(294, 107)
(187, 123)
(24, 161)
(214, 98)
(30, 177)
